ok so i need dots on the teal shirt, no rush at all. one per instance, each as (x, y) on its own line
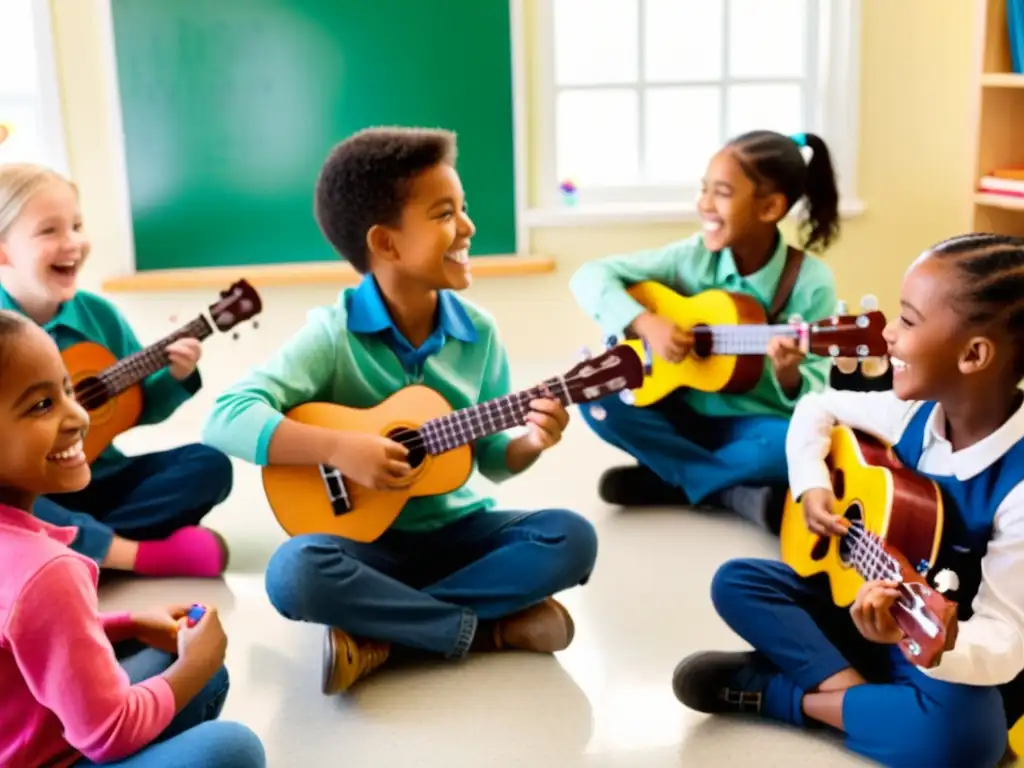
(88, 317)
(689, 268)
(351, 354)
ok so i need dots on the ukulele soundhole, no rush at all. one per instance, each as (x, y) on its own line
(91, 393)
(855, 514)
(413, 441)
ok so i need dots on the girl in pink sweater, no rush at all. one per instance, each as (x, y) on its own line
(67, 697)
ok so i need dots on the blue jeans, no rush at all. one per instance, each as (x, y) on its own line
(195, 738)
(141, 498)
(702, 455)
(901, 717)
(427, 590)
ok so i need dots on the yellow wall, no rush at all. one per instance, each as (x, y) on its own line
(916, 107)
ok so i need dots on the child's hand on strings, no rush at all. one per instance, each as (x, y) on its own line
(184, 356)
(668, 341)
(819, 512)
(372, 461)
(546, 421)
(786, 357)
(871, 612)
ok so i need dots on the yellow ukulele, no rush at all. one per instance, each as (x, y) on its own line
(731, 337)
(110, 389)
(895, 518)
(319, 499)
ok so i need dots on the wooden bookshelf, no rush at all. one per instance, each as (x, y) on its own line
(999, 121)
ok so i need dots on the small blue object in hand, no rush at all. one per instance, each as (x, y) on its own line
(195, 613)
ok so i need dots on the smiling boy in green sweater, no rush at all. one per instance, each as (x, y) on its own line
(452, 574)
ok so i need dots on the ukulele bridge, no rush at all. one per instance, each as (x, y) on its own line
(337, 493)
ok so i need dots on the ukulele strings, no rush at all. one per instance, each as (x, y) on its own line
(869, 547)
(136, 360)
(514, 400)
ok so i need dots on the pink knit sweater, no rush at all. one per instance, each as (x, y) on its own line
(62, 693)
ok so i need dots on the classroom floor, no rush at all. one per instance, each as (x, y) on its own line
(605, 702)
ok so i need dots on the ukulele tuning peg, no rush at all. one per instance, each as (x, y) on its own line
(869, 303)
(627, 396)
(842, 308)
(255, 325)
(236, 335)
(598, 413)
(584, 353)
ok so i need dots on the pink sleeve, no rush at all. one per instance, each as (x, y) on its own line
(58, 640)
(117, 626)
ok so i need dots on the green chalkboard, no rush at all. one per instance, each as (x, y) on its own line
(231, 106)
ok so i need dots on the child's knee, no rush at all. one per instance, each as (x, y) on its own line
(216, 473)
(305, 570)
(232, 745)
(732, 581)
(576, 543)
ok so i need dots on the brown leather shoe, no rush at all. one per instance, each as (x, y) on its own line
(346, 661)
(543, 628)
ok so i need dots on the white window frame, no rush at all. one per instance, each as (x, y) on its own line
(47, 99)
(832, 112)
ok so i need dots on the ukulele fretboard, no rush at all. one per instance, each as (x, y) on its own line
(743, 339)
(468, 424)
(132, 369)
(869, 557)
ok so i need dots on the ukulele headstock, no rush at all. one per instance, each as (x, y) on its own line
(616, 370)
(924, 614)
(237, 304)
(850, 336)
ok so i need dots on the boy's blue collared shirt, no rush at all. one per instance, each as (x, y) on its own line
(368, 314)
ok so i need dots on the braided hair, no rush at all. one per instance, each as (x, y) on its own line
(773, 159)
(991, 268)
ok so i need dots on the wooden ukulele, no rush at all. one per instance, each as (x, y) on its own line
(319, 499)
(731, 338)
(895, 519)
(110, 389)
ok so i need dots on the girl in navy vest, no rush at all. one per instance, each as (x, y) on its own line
(955, 414)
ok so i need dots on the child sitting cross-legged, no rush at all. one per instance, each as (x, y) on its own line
(452, 574)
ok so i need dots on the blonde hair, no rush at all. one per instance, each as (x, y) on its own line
(19, 183)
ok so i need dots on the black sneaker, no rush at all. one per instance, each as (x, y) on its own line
(709, 682)
(637, 486)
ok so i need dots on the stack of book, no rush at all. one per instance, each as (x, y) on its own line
(1006, 183)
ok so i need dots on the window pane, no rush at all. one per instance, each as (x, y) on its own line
(17, 48)
(596, 41)
(767, 38)
(683, 131)
(24, 144)
(597, 141)
(772, 107)
(682, 40)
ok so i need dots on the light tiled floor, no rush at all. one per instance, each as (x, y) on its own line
(604, 702)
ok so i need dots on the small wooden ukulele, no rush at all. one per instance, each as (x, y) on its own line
(110, 388)
(895, 517)
(319, 499)
(731, 338)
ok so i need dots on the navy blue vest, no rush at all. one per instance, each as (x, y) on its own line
(970, 507)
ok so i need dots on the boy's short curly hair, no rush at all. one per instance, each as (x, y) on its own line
(365, 182)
